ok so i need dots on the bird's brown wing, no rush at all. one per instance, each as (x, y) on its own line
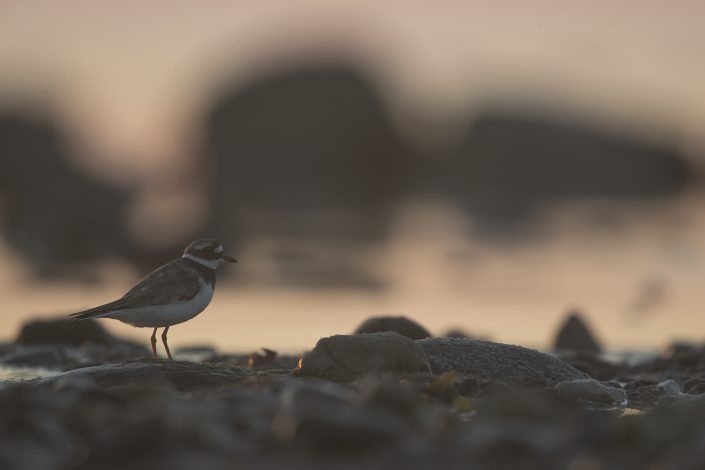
(168, 291)
(171, 283)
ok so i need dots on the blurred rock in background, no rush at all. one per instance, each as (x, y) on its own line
(308, 161)
(307, 156)
(51, 214)
(575, 335)
(513, 163)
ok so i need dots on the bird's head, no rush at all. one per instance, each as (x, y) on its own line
(208, 252)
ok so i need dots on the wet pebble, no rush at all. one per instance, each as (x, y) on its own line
(591, 390)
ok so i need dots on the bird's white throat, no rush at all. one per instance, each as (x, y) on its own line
(209, 263)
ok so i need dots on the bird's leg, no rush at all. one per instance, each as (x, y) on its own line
(166, 345)
(154, 344)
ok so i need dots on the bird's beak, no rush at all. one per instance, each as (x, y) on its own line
(229, 259)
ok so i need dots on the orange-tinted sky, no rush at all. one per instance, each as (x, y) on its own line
(130, 78)
(130, 81)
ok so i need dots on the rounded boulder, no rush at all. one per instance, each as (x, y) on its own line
(344, 358)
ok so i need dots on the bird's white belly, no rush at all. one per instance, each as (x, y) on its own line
(165, 315)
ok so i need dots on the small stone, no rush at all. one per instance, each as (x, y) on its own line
(670, 387)
(643, 395)
(344, 358)
(402, 325)
(592, 390)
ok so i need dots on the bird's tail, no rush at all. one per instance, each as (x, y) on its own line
(99, 311)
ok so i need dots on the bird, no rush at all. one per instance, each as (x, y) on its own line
(171, 294)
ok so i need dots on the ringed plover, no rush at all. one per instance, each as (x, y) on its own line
(171, 294)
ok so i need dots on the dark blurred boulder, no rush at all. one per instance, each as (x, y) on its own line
(51, 213)
(6, 347)
(310, 155)
(45, 356)
(511, 164)
(400, 324)
(574, 335)
(497, 362)
(681, 348)
(344, 358)
(81, 343)
(456, 333)
(63, 331)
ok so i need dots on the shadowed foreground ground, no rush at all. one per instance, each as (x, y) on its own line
(376, 400)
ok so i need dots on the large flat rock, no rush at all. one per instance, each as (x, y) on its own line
(182, 375)
(485, 360)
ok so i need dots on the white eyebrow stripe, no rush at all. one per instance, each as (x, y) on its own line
(209, 263)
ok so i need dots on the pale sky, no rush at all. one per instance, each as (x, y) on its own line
(130, 81)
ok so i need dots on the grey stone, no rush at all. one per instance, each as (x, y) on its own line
(592, 390)
(485, 360)
(643, 395)
(182, 375)
(345, 358)
(670, 387)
